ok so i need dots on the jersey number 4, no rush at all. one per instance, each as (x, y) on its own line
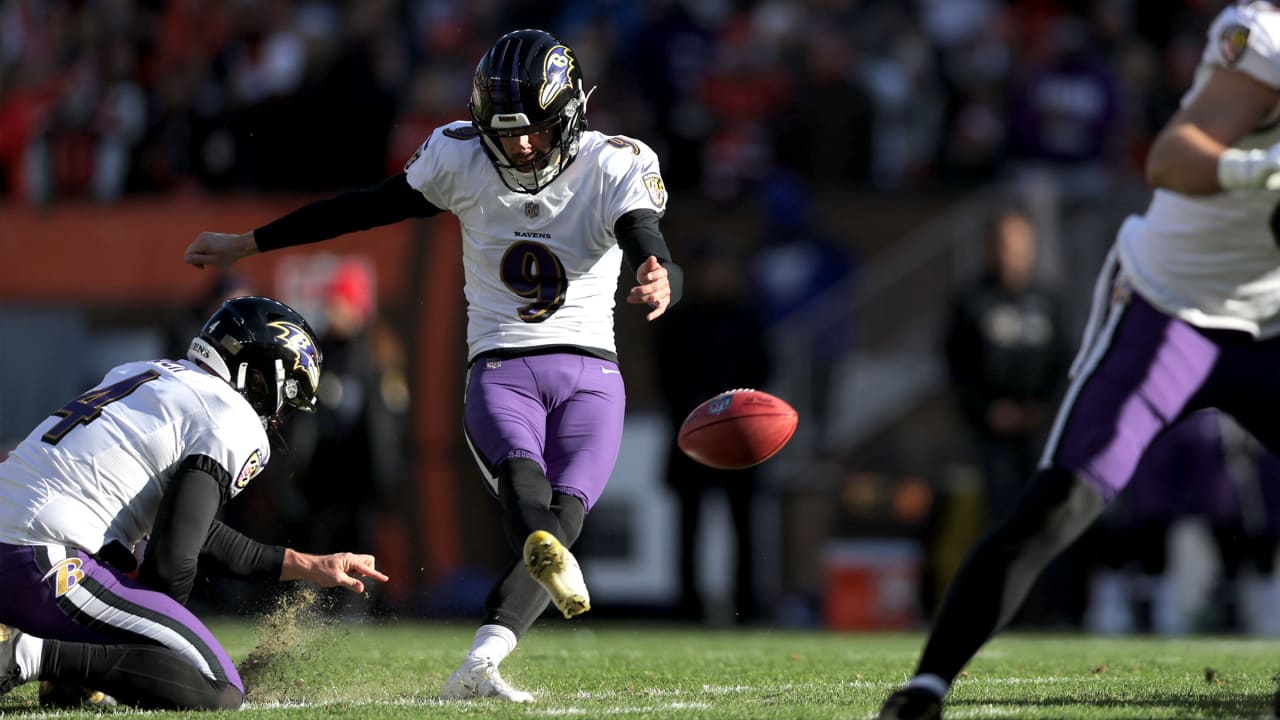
(87, 407)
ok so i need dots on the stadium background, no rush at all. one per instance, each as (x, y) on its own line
(878, 132)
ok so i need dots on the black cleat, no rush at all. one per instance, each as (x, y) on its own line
(10, 673)
(912, 704)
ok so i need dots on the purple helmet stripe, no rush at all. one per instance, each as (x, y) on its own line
(514, 74)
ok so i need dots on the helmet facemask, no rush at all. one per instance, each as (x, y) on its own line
(272, 401)
(529, 83)
(532, 176)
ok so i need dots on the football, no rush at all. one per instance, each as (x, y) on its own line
(737, 429)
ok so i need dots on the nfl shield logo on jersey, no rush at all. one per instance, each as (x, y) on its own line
(531, 209)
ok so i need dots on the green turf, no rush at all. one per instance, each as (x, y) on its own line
(604, 670)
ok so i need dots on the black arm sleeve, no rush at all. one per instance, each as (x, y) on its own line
(639, 237)
(233, 554)
(187, 536)
(390, 201)
(187, 511)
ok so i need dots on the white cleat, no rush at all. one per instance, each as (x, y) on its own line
(480, 680)
(556, 569)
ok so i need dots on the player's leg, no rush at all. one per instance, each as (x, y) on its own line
(1143, 372)
(518, 600)
(149, 677)
(546, 571)
(584, 436)
(1252, 405)
(505, 423)
(514, 603)
(85, 624)
(513, 408)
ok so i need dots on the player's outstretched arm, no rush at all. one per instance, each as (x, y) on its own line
(336, 570)
(1193, 154)
(654, 288)
(219, 249)
(387, 202)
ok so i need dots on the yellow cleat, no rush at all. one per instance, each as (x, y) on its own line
(62, 696)
(557, 571)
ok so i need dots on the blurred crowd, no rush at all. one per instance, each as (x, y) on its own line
(745, 102)
(103, 98)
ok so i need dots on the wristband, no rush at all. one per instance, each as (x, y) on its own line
(1245, 169)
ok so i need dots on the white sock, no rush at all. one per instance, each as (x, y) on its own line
(493, 644)
(29, 651)
(932, 683)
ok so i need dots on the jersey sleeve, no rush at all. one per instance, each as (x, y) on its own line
(1245, 39)
(633, 179)
(237, 443)
(432, 168)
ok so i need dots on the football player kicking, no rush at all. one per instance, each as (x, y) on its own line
(151, 454)
(548, 209)
(1186, 316)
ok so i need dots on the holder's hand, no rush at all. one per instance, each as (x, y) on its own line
(219, 249)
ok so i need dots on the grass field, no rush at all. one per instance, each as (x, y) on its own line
(605, 670)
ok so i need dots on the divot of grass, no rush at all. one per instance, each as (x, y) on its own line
(288, 636)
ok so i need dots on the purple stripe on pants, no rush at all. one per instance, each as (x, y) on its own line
(65, 594)
(563, 411)
(1151, 370)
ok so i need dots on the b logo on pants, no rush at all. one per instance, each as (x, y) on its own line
(69, 575)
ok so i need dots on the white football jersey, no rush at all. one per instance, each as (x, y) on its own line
(95, 470)
(539, 269)
(1211, 259)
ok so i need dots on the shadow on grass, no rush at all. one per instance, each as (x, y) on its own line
(1178, 704)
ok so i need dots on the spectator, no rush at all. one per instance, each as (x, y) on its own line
(352, 435)
(835, 110)
(794, 270)
(1007, 350)
(713, 341)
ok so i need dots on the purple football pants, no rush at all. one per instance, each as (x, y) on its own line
(561, 410)
(1141, 372)
(61, 593)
